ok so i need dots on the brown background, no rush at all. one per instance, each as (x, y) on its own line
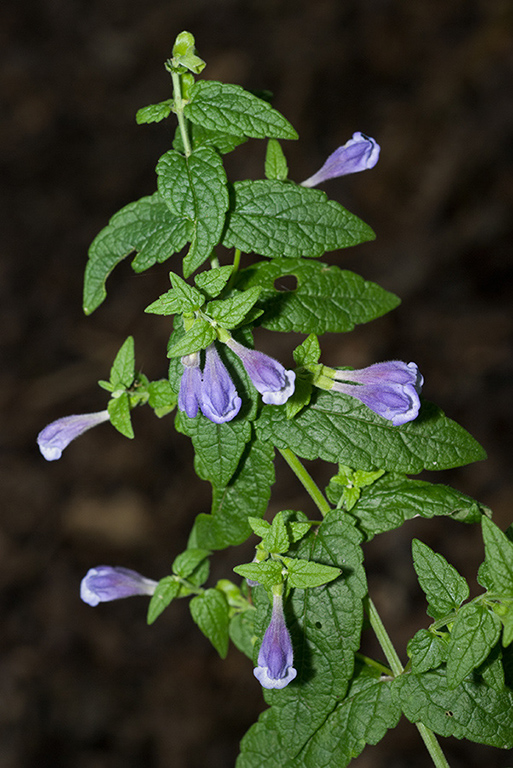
(431, 81)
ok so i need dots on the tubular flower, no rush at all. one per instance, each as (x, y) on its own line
(389, 389)
(219, 400)
(358, 154)
(105, 583)
(275, 657)
(274, 382)
(54, 438)
(190, 385)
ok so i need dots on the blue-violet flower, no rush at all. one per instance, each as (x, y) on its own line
(275, 657)
(105, 583)
(219, 399)
(274, 382)
(389, 389)
(358, 154)
(54, 438)
(189, 396)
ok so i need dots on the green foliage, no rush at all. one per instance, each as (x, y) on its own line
(443, 586)
(154, 113)
(275, 162)
(210, 612)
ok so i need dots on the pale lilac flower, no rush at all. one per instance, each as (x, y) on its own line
(358, 154)
(105, 583)
(274, 382)
(275, 657)
(190, 385)
(219, 400)
(54, 438)
(389, 389)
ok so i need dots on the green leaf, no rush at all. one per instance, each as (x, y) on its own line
(267, 573)
(309, 352)
(281, 219)
(189, 298)
(231, 109)
(506, 617)
(345, 487)
(498, 558)
(165, 592)
(471, 711)
(218, 447)
(277, 539)
(194, 189)
(212, 281)
(303, 574)
(340, 429)
(200, 137)
(119, 414)
(492, 670)
(326, 299)
(242, 631)
(394, 498)
(443, 586)
(184, 53)
(167, 304)
(146, 226)
(187, 562)
(122, 372)
(161, 397)
(275, 163)
(426, 650)
(230, 312)
(199, 336)
(210, 612)
(154, 113)
(247, 494)
(473, 635)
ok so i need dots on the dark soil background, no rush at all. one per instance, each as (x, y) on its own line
(432, 82)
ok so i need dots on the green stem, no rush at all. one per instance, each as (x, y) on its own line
(236, 261)
(373, 663)
(179, 105)
(428, 737)
(306, 480)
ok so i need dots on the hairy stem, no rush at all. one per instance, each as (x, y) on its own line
(306, 480)
(179, 105)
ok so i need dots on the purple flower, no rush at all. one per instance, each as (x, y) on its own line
(269, 377)
(54, 438)
(105, 583)
(358, 154)
(275, 657)
(190, 385)
(389, 389)
(219, 399)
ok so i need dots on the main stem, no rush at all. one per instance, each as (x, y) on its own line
(377, 625)
(179, 105)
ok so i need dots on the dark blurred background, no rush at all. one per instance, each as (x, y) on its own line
(432, 82)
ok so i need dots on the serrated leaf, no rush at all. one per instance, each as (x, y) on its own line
(326, 299)
(247, 493)
(194, 189)
(119, 414)
(443, 586)
(200, 137)
(187, 562)
(303, 574)
(210, 612)
(340, 429)
(474, 633)
(498, 557)
(199, 336)
(276, 538)
(426, 650)
(259, 527)
(189, 297)
(231, 109)
(229, 312)
(281, 219)
(242, 631)
(471, 711)
(275, 163)
(122, 372)
(299, 398)
(394, 498)
(212, 281)
(267, 573)
(507, 620)
(309, 352)
(344, 488)
(167, 304)
(161, 397)
(146, 226)
(154, 113)
(492, 670)
(165, 592)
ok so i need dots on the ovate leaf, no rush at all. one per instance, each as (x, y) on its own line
(473, 635)
(210, 612)
(443, 586)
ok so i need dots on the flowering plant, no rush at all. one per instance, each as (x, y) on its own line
(298, 612)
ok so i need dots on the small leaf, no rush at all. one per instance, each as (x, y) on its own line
(473, 635)
(154, 113)
(189, 297)
(210, 612)
(187, 562)
(309, 352)
(122, 372)
(498, 557)
(426, 650)
(275, 163)
(443, 586)
(230, 312)
(199, 336)
(165, 592)
(212, 281)
(119, 414)
(303, 573)
(231, 109)
(276, 539)
(242, 631)
(161, 397)
(267, 573)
